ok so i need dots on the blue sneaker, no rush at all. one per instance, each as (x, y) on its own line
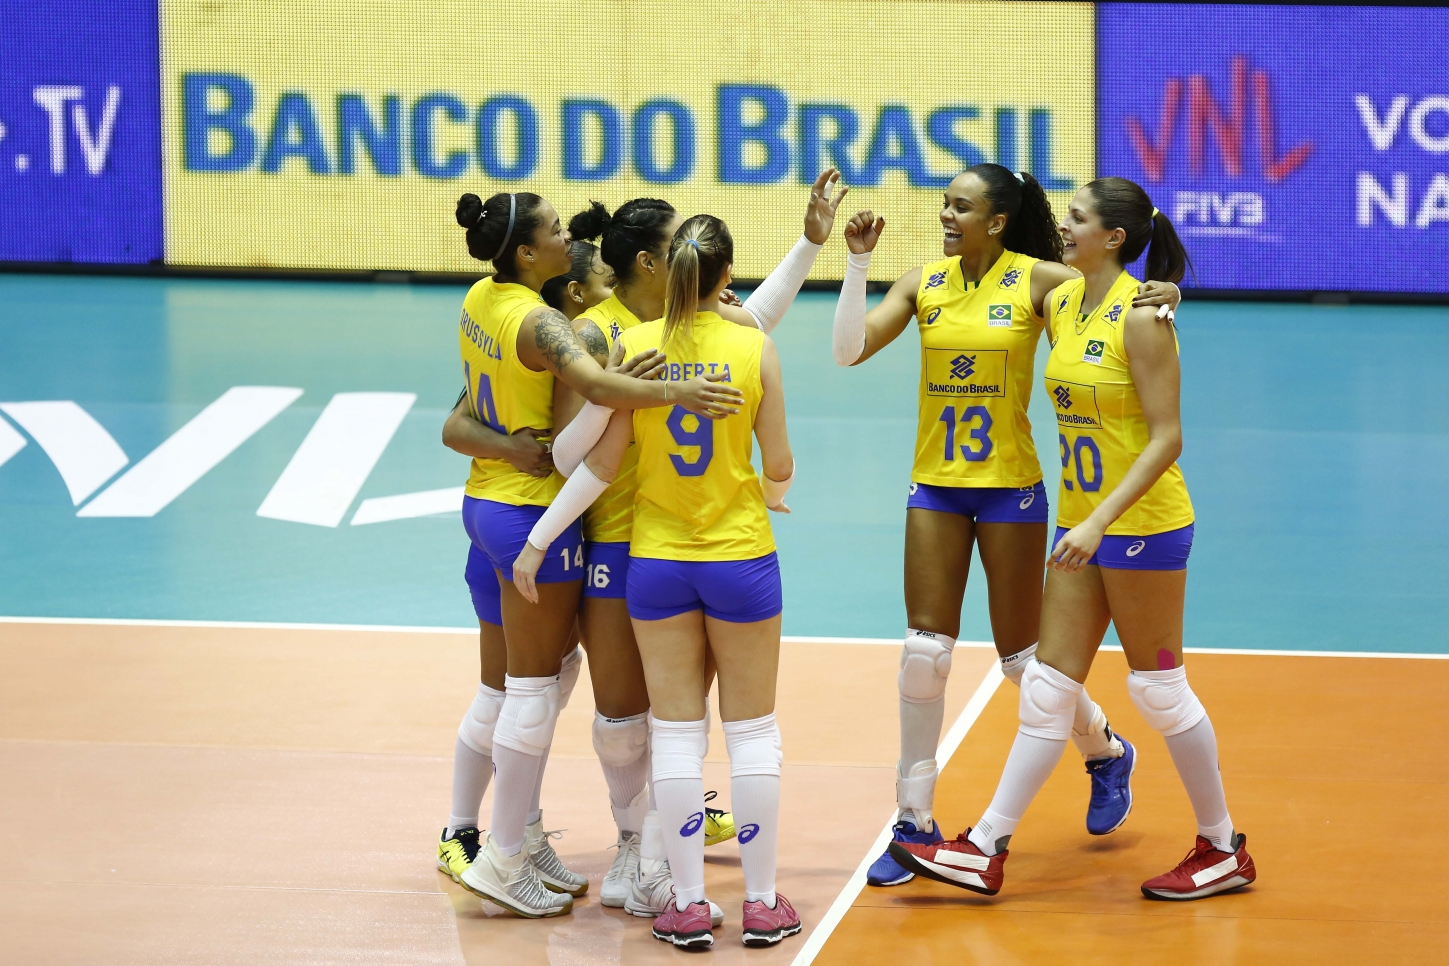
(886, 871)
(1111, 790)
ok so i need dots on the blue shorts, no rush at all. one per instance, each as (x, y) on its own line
(483, 585)
(1161, 551)
(501, 529)
(983, 504)
(606, 569)
(738, 591)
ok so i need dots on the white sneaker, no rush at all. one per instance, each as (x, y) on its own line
(551, 870)
(650, 892)
(512, 882)
(619, 880)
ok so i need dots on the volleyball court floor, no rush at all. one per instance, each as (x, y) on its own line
(237, 644)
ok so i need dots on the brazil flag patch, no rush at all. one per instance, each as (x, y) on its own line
(1094, 351)
(999, 315)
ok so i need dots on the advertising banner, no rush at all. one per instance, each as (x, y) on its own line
(1298, 148)
(80, 144)
(339, 135)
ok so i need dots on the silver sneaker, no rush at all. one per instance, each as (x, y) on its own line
(651, 891)
(619, 880)
(550, 868)
(512, 882)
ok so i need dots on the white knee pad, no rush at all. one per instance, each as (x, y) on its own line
(619, 742)
(1165, 700)
(1014, 664)
(530, 712)
(568, 675)
(677, 748)
(754, 746)
(1048, 702)
(925, 665)
(480, 720)
(917, 790)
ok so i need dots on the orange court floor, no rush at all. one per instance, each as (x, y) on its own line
(189, 793)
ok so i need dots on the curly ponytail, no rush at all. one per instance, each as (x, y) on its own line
(1031, 228)
(1120, 203)
(701, 249)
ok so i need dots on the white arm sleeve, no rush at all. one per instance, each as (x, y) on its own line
(848, 337)
(577, 495)
(578, 437)
(769, 302)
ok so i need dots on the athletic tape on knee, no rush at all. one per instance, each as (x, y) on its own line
(568, 675)
(925, 665)
(530, 712)
(1013, 664)
(677, 748)
(1048, 702)
(1165, 700)
(481, 719)
(918, 789)
(619, 742)
(754, 746)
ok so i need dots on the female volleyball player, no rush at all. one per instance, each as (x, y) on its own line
(513, 346)
(585, 284)
(634, 241)
(1124, 531)
(976, 477)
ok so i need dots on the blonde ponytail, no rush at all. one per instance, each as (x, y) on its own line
(698, 255)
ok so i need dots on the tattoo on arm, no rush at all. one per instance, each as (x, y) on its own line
(554, 337)
(593, 339)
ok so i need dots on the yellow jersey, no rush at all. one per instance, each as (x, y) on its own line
(611, 518)
(502, 392)
(698, 497)
(978, 347)
(1101, 429)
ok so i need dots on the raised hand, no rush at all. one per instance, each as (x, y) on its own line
(824, 199)
(706, 396)
(863, 231)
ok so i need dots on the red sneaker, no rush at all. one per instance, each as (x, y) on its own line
(1206, 871)
(689, 928)
(765, 926)
(957, 863)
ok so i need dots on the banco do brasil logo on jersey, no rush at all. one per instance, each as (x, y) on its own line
(1114, 313)
(998, 315)
(1095, 347)
(1064, 396)
(1010, 279)
(962, 366)
(936, 280)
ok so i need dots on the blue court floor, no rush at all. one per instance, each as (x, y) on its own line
(1317, 445)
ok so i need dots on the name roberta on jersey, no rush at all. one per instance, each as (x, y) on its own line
(680, 371)
(962, 389)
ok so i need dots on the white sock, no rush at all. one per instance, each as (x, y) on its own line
(755, 759)
(535, 806)
(1090, 732)
(517, 775)
(520, 744)
(1195, 753)
(677, 748)
(920, 735)
(471, 772)
(622, 745)
(651, 845)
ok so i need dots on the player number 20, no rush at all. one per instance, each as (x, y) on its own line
(1083, 451)
(975, 426)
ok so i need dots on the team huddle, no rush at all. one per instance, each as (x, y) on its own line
(614, 394)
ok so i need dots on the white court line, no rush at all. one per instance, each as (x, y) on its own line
(788, 639)
(852, 889)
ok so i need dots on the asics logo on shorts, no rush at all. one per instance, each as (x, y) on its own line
(913, 489)
(1030, 498)
(695, 823)
(748, 832)
(1136, 548)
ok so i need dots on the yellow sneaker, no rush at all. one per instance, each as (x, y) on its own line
(457, 852)
(719, 825)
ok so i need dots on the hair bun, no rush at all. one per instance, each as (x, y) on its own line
(590, 223)
(470, 209)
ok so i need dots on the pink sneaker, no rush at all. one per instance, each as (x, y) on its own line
(765, 926)
(690, 928)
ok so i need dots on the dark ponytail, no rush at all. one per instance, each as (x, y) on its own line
(490, 236)
(1120, 203)
(1031, 228)
(554, 289)
(637, 226)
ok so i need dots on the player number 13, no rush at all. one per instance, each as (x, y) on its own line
(975, 424)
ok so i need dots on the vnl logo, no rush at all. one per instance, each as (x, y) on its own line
(963, 366)
(1206, 120)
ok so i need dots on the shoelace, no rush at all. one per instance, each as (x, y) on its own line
(468, 839)
(529, 889)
